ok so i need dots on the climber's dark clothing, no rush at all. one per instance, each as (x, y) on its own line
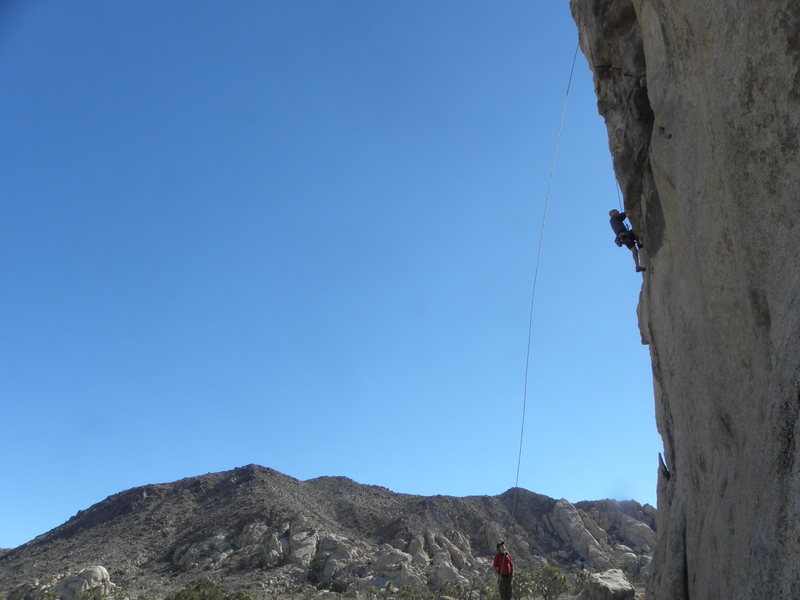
(618, 223)
(625, 237)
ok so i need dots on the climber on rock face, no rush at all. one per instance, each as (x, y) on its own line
(625, 237)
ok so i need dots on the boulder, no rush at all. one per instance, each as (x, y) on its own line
(394, 565)
(455, 556)
(275, 551)
(431, 545)
(636, 533)
(92, 582)
(390, 560)
(444, 573)
(567, 522)
(461, 541)
(252, 534)
(333, 556)
(302, 543)
(594, 528)
(202, 554)
(608, 585)
(416, 548)
(627, 559)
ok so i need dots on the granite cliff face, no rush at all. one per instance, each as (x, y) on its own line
(258, 530)
(702, 106)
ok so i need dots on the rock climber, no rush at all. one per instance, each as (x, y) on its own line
(625, 237)
(504, 567)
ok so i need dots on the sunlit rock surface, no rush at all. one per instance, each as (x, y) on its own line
(702, 105)
(260, 531)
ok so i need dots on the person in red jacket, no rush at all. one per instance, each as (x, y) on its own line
(504, 567)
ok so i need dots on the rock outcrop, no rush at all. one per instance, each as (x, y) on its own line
(255, 529)
(702, 106)
(569, 524)
(608, 585)
(92, 583)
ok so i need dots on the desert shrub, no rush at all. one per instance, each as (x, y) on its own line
(580, 580)
(371, 592)
(522, 585)
(206, 590)
(456, 591)
(549, 582)
(309, 593)
(342, 588)
(486, 587)
(413, 592)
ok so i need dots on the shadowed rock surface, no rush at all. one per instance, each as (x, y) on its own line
(255, 529)
(702, 106)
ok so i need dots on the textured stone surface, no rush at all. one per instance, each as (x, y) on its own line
(702, 105)
(567, 521)
(608, 585)
(253, 528)
(92, 583)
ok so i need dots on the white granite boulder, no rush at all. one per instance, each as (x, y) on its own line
(608, 585)
(566, 520)
(92, 582)
(302, 543)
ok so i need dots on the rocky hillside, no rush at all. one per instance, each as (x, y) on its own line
(702, 106)
(256, 529)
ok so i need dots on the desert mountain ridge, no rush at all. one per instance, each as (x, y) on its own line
(256, 529)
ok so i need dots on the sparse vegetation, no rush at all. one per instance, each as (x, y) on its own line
(523, 585)
(544, 583)
(580, 580)
(549, 582)
(206, 590)
(413, 592)
(50, 594)
(214, 550)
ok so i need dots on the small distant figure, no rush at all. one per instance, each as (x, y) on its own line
(625, 237)
(504, 567)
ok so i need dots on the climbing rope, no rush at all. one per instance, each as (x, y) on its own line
(535, 279)
(619, 198)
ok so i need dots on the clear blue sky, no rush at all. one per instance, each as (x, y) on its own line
(302, 234)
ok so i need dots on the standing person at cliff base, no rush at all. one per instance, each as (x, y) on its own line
(625, 237)
(504, 567)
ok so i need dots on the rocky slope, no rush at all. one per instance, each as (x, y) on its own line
(702, 106)
(253, 528)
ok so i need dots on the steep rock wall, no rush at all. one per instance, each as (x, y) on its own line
(702, 106)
